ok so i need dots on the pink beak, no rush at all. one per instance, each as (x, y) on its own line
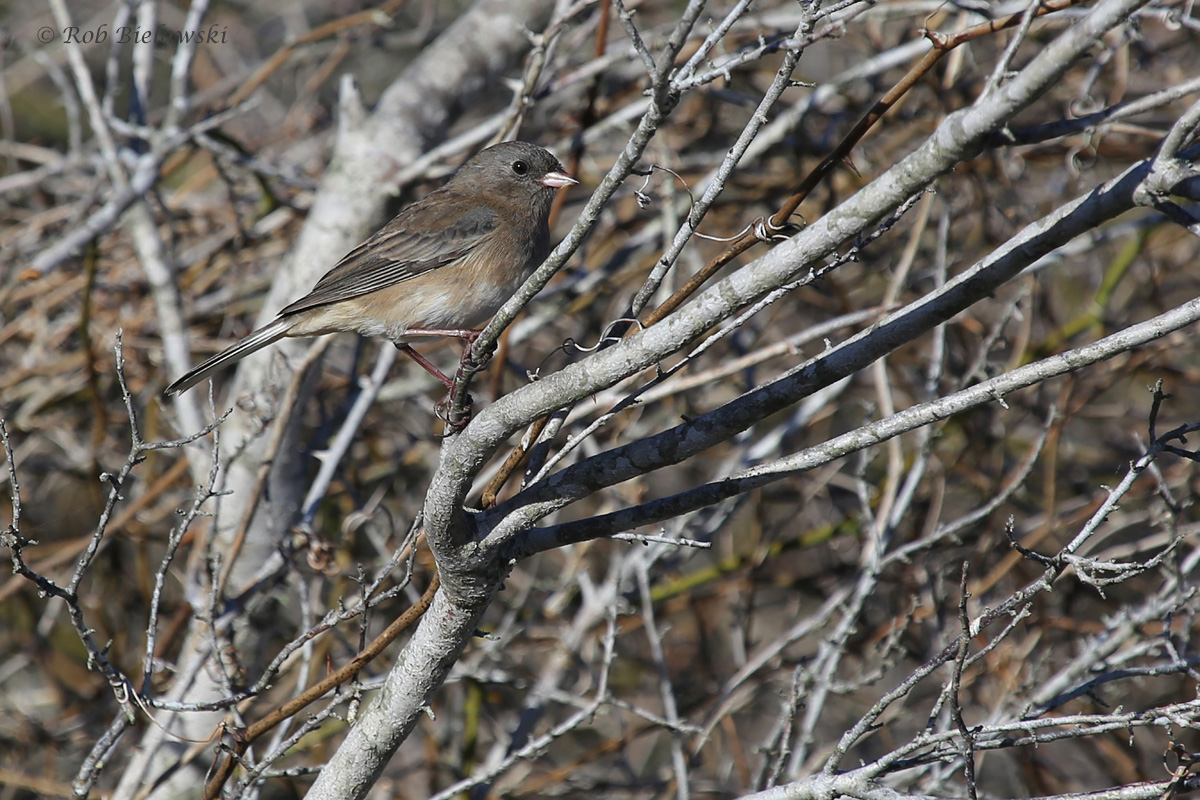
(557, 180)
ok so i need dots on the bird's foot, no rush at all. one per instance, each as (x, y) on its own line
(472, 362)
(454, 415)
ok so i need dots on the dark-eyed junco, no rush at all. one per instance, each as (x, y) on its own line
(443, 266)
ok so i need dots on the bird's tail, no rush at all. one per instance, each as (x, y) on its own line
(255, 341)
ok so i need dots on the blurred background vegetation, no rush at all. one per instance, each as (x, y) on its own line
(229, 214)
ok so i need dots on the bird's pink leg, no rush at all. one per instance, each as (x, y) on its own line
(466, 334)
(443, 406)
(466, 364)
(427, 364)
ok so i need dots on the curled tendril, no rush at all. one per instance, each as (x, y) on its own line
(762, 228)
(572, 345)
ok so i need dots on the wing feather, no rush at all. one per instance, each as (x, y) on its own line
(410, 245)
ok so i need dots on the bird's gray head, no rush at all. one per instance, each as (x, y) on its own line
(515, 170)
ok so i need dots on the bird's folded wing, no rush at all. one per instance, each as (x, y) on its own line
(397, 253)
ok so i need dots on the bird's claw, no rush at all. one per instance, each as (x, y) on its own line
(454, 416)
(472, 363)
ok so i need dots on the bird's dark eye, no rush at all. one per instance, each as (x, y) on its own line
(520, 167)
